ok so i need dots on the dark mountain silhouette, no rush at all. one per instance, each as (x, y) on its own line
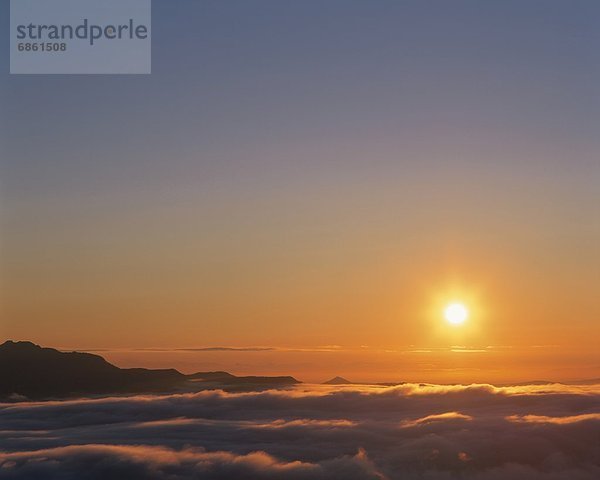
(590, 381)
(228, 378)
(29, 370)
(211, 376)
(337, 381)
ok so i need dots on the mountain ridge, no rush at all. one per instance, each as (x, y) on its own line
(31, 371)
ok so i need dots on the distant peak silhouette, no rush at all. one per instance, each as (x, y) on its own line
(337, 381)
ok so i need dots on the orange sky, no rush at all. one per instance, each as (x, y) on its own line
(336, 188)
(339, 268)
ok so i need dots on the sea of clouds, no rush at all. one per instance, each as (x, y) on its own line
(311, 432)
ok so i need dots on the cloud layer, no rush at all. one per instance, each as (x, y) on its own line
(309, 432)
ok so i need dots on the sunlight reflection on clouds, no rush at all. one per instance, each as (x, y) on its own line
(310, 432)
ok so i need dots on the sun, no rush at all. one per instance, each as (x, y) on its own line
(456, 313)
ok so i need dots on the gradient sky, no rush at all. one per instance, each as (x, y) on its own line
(301, 174)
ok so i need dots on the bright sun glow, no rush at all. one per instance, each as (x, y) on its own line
(456, 313)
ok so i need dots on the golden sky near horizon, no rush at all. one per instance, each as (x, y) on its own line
(340, 266)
